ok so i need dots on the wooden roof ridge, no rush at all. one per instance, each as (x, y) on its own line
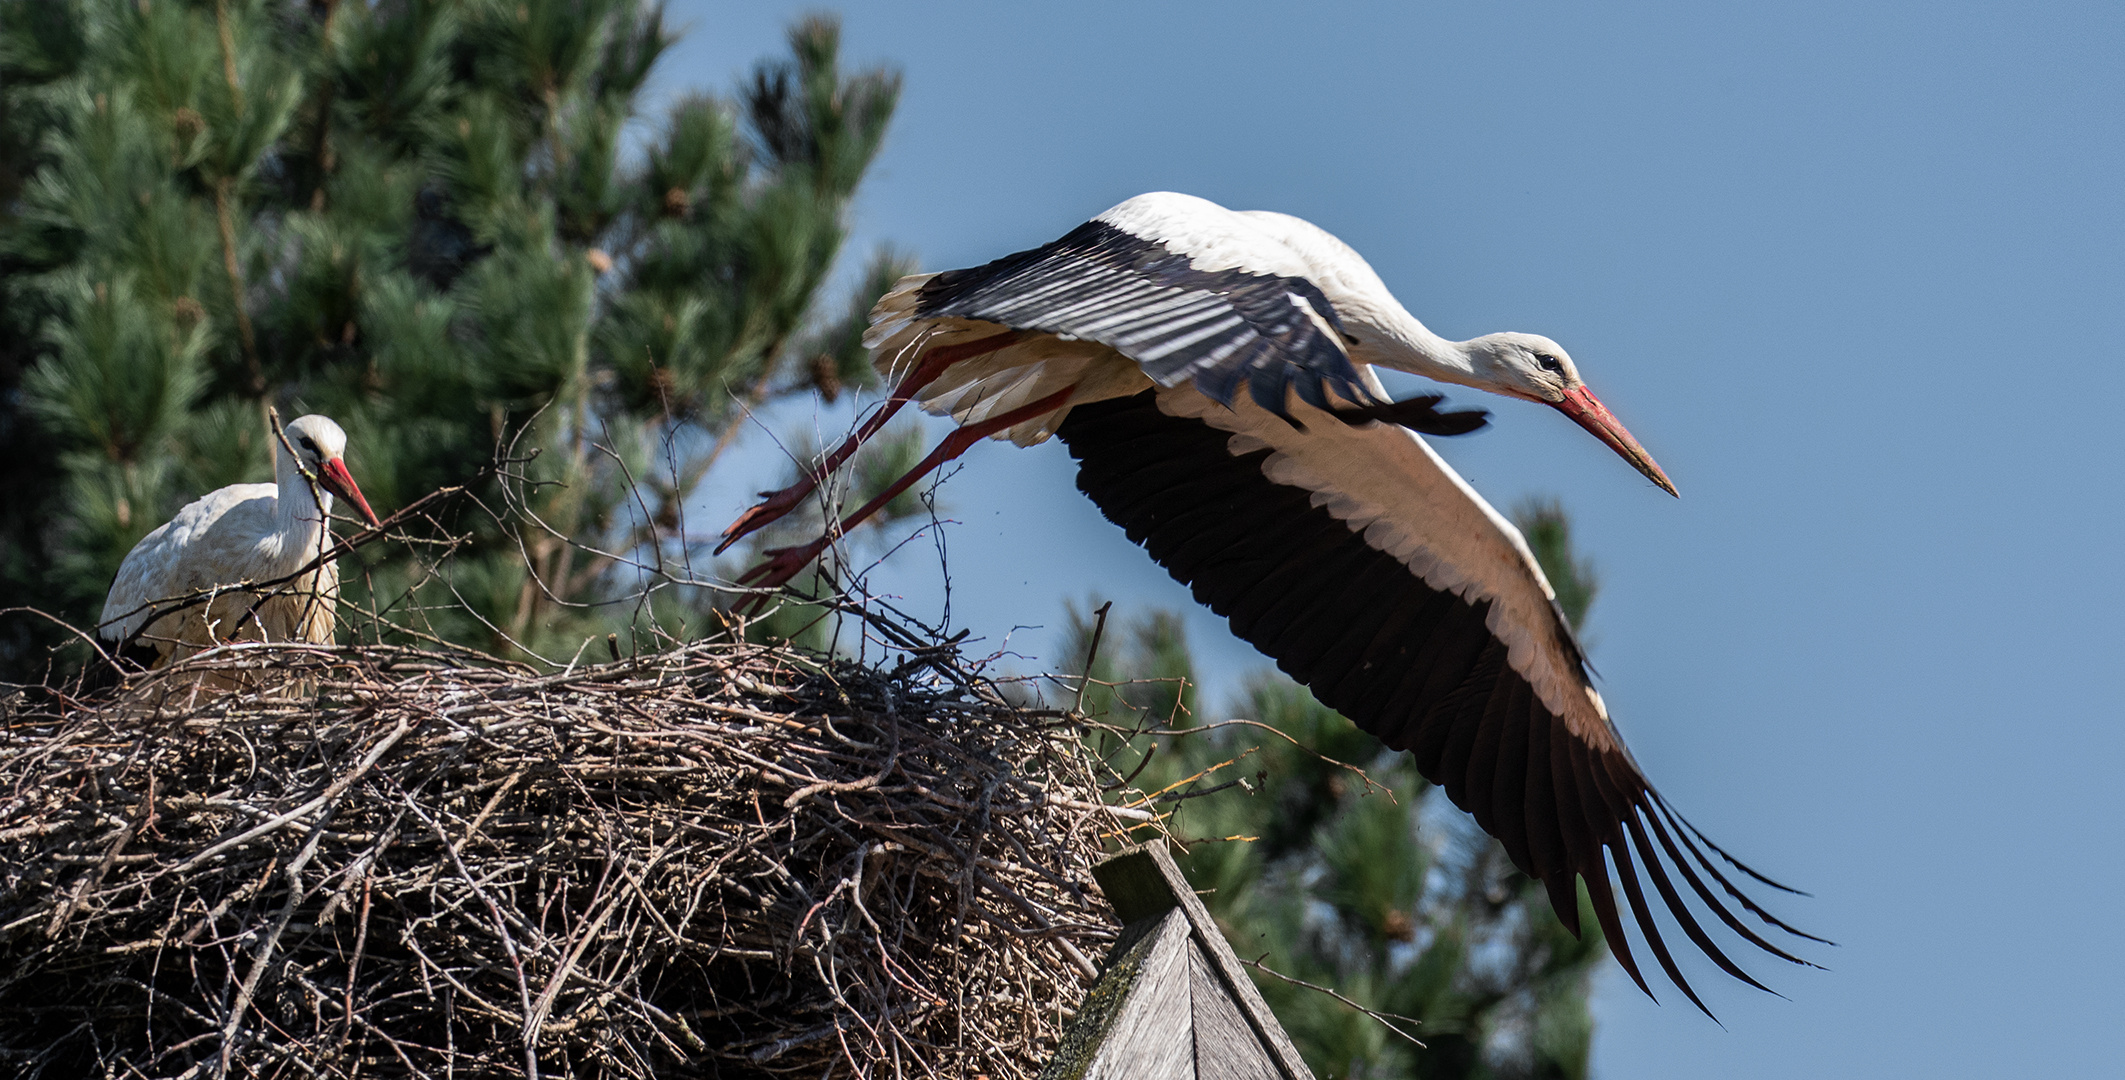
(1172, 1001)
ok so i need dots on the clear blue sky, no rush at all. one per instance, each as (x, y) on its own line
(1854, 273)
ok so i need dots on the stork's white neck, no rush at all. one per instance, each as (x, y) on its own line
(1398, 341)
(299, 519)
(1388, 335)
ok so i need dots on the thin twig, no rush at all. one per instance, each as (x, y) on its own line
(1386, 1019)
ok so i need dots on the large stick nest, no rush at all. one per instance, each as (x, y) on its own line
(724, 860)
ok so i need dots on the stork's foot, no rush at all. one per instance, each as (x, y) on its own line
(772, 506)
(782, 564)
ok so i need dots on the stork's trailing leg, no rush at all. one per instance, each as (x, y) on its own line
(933, 363)
(784, 563)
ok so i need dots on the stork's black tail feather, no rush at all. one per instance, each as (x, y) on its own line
(1420, 414)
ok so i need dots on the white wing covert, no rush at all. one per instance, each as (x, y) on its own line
(1140, 280)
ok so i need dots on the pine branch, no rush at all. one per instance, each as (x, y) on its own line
(249, 338)
(328, 87)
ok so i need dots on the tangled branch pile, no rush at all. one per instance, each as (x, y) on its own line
(721, 860)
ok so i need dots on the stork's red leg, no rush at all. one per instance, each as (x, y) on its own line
(784, 563)
(933, 363)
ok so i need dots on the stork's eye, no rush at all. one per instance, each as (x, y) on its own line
(308, 444)
(1550, 363)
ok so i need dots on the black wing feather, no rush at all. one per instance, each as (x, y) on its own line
(1416, 666)
(1221, 328)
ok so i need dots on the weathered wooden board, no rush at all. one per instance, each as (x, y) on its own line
(1135, 880)
(1149, 1039)
(1226, 1047)
(1173, 1002)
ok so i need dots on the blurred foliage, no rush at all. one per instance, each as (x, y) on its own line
(445, 224)
(1372, 884)
(1549, 536)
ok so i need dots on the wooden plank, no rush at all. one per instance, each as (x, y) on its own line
(1135, 884)
(1149, 1039)
(1139, 892)
(1172, 1001)
(1101, 1010)
(1226, 1047)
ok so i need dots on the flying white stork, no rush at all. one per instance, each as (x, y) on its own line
(1306, 512)
(241, 534)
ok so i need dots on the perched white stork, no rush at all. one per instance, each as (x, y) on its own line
(241, 534)
(1339, 545)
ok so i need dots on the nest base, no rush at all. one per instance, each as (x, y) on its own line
(725, 860)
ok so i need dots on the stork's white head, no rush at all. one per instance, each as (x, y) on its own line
(321, 448)
(1533, 367)
(1524, 366)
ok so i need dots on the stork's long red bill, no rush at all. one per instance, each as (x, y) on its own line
(334, 475)
(1588, 412)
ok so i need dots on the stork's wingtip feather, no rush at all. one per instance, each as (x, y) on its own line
(1731, 860)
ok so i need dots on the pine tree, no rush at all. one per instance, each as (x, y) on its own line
(1370, 884)
(441, 222)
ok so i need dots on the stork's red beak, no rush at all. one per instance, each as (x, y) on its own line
(334, 475)
(1588, 412)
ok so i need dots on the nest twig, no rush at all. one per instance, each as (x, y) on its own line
(724, 860)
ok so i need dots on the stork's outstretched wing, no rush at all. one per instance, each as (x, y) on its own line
(1145, 285)
(1369, 571)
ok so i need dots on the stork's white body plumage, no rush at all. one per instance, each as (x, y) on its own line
(243, 534)
(1212, 372)
(240, 533)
